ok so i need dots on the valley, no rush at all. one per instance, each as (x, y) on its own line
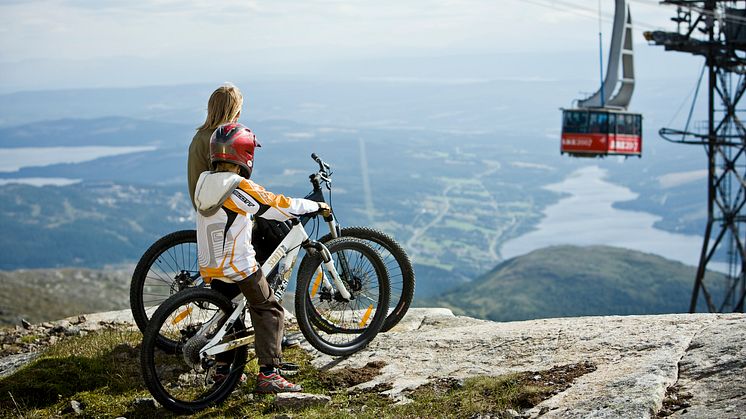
(453, 197)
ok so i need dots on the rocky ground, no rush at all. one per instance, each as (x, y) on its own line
(23, 343)
(636, 358)
(39, 295)
(606, 367)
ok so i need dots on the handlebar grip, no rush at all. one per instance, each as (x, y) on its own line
(322, 166)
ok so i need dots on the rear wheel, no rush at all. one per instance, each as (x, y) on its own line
(177, 377)
(330, 323)
(167, 267)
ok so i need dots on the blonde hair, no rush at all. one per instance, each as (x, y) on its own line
(223, 107)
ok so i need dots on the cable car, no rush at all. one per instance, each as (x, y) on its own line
(600, 124)
(601, 132)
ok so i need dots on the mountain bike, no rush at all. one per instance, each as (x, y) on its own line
(170, 264)
(343, 286)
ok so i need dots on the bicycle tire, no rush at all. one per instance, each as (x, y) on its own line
(160, 273)
(168, 374)
(319, 314)
(401, 273)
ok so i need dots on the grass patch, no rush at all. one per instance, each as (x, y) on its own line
(29, 338)
(96, 366)
(101, 371)
(474, 397)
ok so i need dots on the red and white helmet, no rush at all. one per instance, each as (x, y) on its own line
(233, 143)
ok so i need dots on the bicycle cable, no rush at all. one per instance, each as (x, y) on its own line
(315, 229)
(331, 204)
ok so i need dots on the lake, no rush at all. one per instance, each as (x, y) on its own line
(13, 159)
(586, 217)
(40, 181)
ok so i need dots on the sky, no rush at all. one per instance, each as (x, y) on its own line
(78, 43)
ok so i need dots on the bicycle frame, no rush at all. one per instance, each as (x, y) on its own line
(316, 195)
(285, 255)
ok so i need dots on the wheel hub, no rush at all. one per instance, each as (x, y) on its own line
(192, 348)
(181, 281)
(355, 283)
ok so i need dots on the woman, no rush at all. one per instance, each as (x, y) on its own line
(224, 106)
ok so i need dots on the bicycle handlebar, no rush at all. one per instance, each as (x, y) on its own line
(323, 167)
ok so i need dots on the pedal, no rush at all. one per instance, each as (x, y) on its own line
(289, 368)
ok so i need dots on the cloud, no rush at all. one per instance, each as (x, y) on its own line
(287, 35)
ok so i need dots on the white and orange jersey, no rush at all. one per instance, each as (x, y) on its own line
(225, 205)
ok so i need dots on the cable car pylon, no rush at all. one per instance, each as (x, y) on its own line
(600, 124)
(716, 31)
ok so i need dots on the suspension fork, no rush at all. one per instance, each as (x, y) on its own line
(328, 262)
(336, 231)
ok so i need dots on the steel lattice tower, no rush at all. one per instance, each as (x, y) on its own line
(716, 30)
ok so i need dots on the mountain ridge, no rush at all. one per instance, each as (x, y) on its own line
(103, 131)
(568, 281)
(628, 282)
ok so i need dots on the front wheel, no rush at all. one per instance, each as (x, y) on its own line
(330, 323)
(178, 377)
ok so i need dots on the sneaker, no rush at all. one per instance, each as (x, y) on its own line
(290, 342)
(274, 383)
(221, 373)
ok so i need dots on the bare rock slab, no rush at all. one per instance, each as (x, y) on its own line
(11, 363)
(637, 357)
(713, 372)
(415, 318)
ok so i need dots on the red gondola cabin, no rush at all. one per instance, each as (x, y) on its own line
(601, 132)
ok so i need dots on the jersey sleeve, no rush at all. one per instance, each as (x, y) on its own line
(272, 206)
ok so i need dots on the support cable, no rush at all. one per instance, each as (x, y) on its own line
(586, 12)
(694, 91)
(665, 131)
(601, 55)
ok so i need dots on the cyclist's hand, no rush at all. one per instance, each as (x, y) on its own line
(324, 209)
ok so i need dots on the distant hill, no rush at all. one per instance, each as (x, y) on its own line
(565, 281)
(108, 131)
(433, 281)
(85, 225)
(40, 295)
